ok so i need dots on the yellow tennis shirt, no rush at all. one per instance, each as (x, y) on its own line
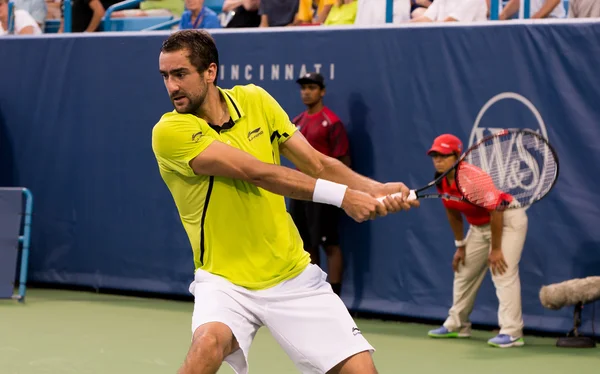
(236, 229)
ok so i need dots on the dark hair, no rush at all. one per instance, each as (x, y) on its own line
(200, 45)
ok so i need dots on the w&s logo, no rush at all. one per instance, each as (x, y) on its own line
(519, 171)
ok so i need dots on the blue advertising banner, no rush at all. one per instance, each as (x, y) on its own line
(76, 115)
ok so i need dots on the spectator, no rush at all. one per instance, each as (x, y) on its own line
(342, 13)
(373, 12)
(197, 16)
(278, 12)
(318, 223)
(418, 7)
(245, 13)
(539, 9)
(308, 15)
(23, 21)
(584, 9)
(36, 8)
(86, 15)
(455, 11)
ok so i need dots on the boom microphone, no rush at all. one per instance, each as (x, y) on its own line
(571, 292)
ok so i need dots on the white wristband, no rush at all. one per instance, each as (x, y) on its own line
(460, 243)
(327, 192)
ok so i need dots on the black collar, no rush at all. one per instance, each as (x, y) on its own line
(229, 124)
(226, 126)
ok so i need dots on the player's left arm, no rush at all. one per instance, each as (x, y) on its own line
(312, 162)
(294, 146)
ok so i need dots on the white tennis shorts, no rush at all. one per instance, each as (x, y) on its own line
(308, 320)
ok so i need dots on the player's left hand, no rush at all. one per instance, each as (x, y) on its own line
(395, 204)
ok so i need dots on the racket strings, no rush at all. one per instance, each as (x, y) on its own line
(510, 169)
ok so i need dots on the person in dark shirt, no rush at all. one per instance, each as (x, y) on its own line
(318, 223)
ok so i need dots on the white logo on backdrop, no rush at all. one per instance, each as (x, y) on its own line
(522, 172)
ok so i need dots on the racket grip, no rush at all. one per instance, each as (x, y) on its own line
(411, 196)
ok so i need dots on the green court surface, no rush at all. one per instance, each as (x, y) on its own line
(63, 332)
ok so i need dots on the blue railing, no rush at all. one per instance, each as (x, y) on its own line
(24, 238)
(128, 4)
(11, 17)
(163, 25)
(389, 11)
(25, 243)
(67, 15)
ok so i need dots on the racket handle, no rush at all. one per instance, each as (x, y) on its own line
(411, 196)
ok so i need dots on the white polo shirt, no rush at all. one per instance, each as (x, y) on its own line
(22, 20)
(372, 12)
(461, 10)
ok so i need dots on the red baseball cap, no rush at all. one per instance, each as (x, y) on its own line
(446, 144)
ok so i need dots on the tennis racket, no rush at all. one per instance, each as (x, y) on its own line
(509, 169)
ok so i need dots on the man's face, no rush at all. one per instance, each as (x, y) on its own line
(311, 93)
(194, 4)
(186, 87)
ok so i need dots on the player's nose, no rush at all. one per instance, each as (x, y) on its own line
(171, 86)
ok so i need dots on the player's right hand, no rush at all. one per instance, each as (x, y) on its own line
(362, 206)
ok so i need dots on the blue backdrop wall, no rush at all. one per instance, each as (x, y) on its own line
(76, 115)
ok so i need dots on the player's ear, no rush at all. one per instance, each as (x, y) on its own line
(211, 73)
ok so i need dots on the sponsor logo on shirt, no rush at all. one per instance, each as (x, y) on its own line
(255, 133)
(196, 137)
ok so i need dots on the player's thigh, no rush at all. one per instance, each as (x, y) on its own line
(312, 324)
(217, 305)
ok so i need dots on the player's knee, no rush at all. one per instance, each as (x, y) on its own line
(214, 345)
(208, 346)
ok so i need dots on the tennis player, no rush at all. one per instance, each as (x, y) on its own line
(219, 154)
(495, 239)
